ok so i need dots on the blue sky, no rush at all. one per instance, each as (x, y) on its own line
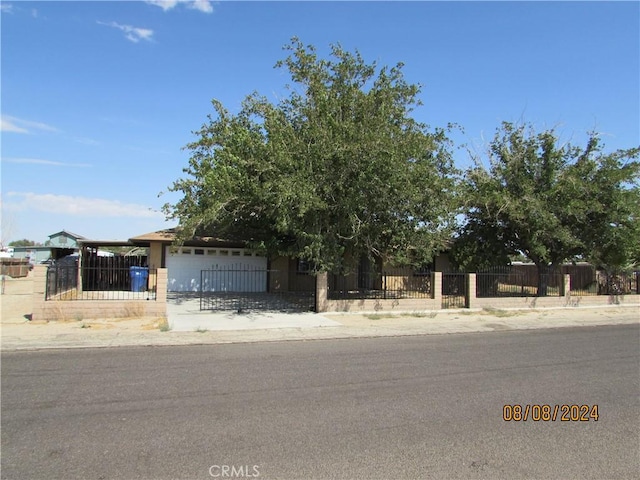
(98, 98)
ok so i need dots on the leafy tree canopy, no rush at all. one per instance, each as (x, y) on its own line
(336, 170)
(551, 202)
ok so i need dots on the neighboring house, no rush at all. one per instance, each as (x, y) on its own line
(60, 244)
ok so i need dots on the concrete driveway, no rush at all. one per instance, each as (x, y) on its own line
(184, 315)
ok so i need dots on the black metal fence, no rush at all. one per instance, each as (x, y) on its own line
(62, 281)
(598, 282)
(133, 283)
(113, 273)
(518, 281)
(245, 289)
(528, 281)
(454, 290)
(380, 285)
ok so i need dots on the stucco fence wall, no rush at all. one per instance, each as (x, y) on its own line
(48, 310)
(324, 304)
(565, 299)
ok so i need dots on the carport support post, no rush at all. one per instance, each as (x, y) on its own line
(322, 289)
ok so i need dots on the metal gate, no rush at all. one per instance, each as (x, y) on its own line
(454, 290)
(247, 289)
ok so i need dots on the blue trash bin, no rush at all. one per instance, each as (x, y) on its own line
(139, 276)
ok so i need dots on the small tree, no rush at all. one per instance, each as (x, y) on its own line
(336, 170)
(23, 243)
(550, 202)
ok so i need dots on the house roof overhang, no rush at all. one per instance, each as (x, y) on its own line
(169, 236)
(104, 243)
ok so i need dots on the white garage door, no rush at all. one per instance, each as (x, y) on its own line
(184, 266)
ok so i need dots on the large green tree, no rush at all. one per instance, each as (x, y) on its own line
(608, 224)
(551, 202)
(336, 170)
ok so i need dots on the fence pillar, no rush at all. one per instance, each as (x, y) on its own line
(161, 285)
(566, 285)
(436, 282)
(322, 290)
(79, 273)
(471, 290)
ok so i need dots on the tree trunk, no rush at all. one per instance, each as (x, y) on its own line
(543, 280)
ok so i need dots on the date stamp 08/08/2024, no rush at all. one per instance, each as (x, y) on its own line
(550, 413)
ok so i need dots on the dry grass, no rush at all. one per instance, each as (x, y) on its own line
(377, 316)
(163, 325)
(496, 312)
(420, 314)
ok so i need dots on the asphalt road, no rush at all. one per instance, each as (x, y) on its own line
(409, 407)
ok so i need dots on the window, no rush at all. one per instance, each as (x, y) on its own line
(235, 253)
(212, 252)
(224, 252)
(186, 251)
(199, 251)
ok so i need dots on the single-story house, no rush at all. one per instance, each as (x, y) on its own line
(185, 264)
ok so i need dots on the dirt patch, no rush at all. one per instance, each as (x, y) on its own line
(16, 306)
(17, 300)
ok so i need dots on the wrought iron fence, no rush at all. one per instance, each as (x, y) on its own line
(245, 289)
(62, 281)
(518, 281)
(380, 285)
(490, 284)
(583, 279)
(95, 283)
(454, 289)
(599, 282)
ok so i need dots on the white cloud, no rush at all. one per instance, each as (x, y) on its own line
(76, 206)
(6, 8)
(201, 5)
(8, 125)
(204, 6)
(18, 125)
(163, 4)
(39, 161)
(133, 34)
